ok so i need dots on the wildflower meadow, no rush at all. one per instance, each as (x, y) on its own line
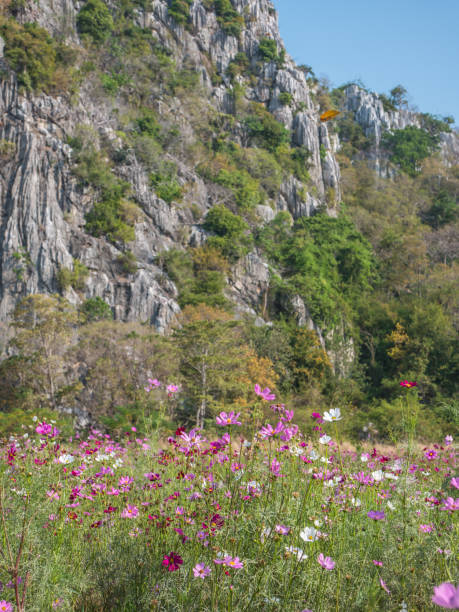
(247, 515)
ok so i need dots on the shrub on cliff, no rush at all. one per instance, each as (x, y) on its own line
(180, 10)
(95, 21)
(40, 62)
(230, 229)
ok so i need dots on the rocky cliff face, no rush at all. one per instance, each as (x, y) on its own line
(43, 208)
(368, 111)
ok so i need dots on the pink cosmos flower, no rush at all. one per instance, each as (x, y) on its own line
(430, 454)
(288, 416)
(172, 561)
(377, 563)
(450, 504)
(5, 606)
(267, 430)
(265, 393)
(171, 389)
(448, 440)
(282, 529)
(230, 418)
(425, 528)
(130, 511)
(154, 382)
(192, 439)
(201, 571)
(125, 481)
(326, 562)
(235, 563)
(446, 596)
(275, 467)
(455, 482)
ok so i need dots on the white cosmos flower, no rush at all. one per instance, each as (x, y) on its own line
(391, 476)
(378, 475)
(66, 458)
(313, 455)
(309, 534)
(101, 458)
(390, 505)
(364, 457)
(325, 460)
(355, 501)
(296, 551)
(266, 532)
(333, 415)
(318, 523)
(324, 439)
(295, 450)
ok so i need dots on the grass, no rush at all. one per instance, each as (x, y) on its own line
(102, 519)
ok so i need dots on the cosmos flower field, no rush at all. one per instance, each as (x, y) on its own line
(249, 516)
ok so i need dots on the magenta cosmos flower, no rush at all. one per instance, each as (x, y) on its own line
(446, 596)
(455, 482)
(430, 454)
(5, 606)
(172, 561)
(376, 515)
(230, 418)
(265, 393)
(326, 562)
(408, 384)
(201, 571)
(44, 429)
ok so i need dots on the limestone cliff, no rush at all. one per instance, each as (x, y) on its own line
(43, 208)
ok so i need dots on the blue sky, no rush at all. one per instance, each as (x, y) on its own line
(411, 42)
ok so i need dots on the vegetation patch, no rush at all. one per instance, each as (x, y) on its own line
(41, 63)
(410, 146)
(95, 21)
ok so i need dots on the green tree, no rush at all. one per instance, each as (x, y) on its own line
(43, 334)
(409, 147)
(116, 359)
(398, 96)
(208, 343)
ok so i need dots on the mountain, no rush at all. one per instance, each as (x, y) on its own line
(156, 154)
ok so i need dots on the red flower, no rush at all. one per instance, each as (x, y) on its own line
(408, 384)
(172, 561)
